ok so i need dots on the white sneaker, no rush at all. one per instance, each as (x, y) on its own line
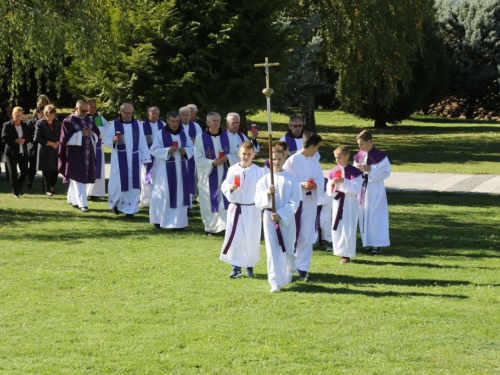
(275, 289)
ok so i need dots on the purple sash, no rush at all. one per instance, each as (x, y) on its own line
(298, 216)
(191, 163)
(171, 170)
(318, 224)
(267, 164)
(147, 133)
(340, 211)
(213, 179)
(350, 172)
(237, 214)
(292, 145)
(122, 156)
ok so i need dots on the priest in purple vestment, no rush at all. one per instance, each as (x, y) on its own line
(77, 162)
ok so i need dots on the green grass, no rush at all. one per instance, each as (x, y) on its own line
(420, 144)
(96, 293)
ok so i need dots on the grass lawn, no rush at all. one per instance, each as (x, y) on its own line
(420, 144)
(96, 293)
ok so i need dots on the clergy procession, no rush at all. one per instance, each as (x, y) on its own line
(169, 166)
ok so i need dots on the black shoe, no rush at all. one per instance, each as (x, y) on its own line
(95, 199)
(376, 250)
(302, 275)
(250, 272)
(84, 209)
(76, 206)
(157, 226)
(208, 234)
(115, 210)
(130, 216)
(235, 273)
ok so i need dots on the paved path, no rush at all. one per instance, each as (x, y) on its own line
(430, 182)
(443, 182)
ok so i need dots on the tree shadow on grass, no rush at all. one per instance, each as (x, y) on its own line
(330, 278)
(310, 288)
(424, 265)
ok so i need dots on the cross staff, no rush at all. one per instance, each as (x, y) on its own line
(268, 92)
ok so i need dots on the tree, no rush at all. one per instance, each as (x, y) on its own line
(471, 31)
(37, 37)
(373, 45)
(178, 52)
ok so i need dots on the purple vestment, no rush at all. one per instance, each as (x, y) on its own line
(77, 163)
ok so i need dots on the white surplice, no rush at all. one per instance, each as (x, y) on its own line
(159, 209)
(344, 238)
(98, 188)
(302, 168)
(126, 201)
(214, 222)
(325, 216)
(280, 265)
(147, 189)
(238, 141)
(298, 145)
(373, 212)
(244, 250)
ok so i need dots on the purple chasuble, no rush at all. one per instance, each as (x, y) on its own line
(292, 145)
(172, 172)
(213, 178)
(148, 133)
(121, 149)
(77, 163)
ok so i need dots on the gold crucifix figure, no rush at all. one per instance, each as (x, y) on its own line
(267, 91)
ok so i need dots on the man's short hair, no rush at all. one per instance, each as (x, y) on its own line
(283, 145)
(185, 108)
(247, 145)
(310, 139)
(213, 114)
(152, 107)
(232, 114)
(124, 104)
(277, 149)
(295, 117)
(172, 114)
(341, 150)
(81, 102)
(192, 107)
(365, 135)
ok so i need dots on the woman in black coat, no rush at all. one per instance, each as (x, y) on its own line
(47, 134)
(33, 146)
(16, 136)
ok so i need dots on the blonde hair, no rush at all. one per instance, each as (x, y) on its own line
(17, 109)
(341, 150)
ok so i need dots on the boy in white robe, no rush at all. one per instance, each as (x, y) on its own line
(306, 169)
(170, 197)
(344, 185)
(279, 226)
(324, 220)
(373, 210)
(241, 246)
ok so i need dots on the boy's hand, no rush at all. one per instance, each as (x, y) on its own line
(275, 217)
(233, 187)
(338, 181)
(270, 190)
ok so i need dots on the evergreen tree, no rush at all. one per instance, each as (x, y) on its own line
(472, 33)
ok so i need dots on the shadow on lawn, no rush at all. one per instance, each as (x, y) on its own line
(309, 288)
(408, 264)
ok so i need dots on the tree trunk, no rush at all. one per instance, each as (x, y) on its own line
(380, 123)
(307, 111)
